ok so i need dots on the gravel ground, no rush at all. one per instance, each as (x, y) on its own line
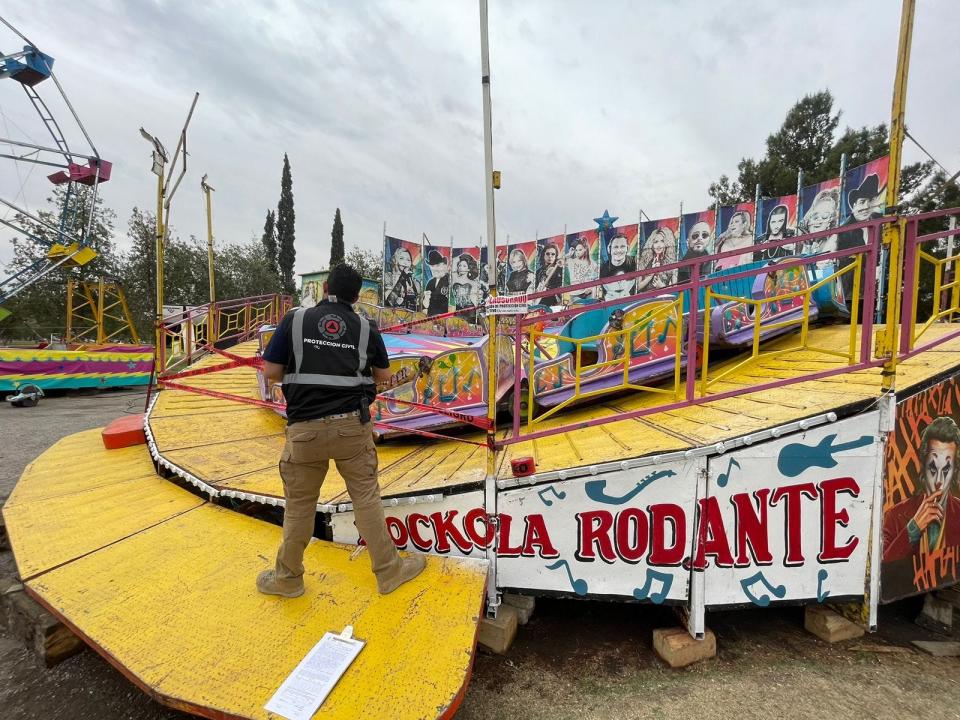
(574, 659)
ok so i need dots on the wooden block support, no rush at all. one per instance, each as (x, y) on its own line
(829, 625)
(676, 647)
(950, 595)
(937, 614)
(524, 605)
(497, 634)
(49, 639)
(938, 648)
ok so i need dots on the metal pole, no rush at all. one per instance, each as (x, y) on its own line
(756, 213)
(161, 232)
(383, 269)
(207, 189)
(950, 296)
(71, 285)
(490, 484)
(892, 233)
(101, 330)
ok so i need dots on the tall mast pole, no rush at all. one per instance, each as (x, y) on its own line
(893, 232)
(207, 189)
(160, 349)
(490, 484)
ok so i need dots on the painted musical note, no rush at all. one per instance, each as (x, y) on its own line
(778, 591)
(579, 585)
(560, 495)
(643, 593)
(724, 477)
(468, 383)
(596, 489)
(798, 457)
(666, 329)
(822, 575)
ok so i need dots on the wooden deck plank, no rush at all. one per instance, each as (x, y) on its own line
(69, 461)
(154, 605)
(47, 533)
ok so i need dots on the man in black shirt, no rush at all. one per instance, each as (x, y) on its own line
(436, 297)
(329, 359)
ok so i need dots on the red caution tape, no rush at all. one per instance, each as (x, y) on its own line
(479, 422)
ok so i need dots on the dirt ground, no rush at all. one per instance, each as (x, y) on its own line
(574, 659)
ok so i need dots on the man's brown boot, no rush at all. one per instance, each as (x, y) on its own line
(409, 568)
(268, 584)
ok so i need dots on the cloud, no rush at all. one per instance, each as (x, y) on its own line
(615, 105)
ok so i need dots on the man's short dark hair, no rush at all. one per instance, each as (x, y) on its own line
(344, 283)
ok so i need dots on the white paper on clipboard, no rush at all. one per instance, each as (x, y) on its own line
(311, 681)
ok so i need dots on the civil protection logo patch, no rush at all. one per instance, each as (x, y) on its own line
(332, 327)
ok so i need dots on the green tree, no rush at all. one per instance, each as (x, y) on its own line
(244, 270)
(139, 271)
(286, 253)
(366, 262)
(269, 240)
(805, 141)
(336, 241)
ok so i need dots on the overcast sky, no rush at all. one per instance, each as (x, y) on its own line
(618, 105)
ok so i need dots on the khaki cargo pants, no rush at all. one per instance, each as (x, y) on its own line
(310, 447)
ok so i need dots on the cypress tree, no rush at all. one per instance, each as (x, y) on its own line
(286, 253)
(269, 240)
(336, 241)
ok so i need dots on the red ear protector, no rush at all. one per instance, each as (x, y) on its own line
(523, 466)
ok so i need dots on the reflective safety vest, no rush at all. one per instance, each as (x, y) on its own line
(338, 354)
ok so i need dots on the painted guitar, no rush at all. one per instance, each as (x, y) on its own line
(795, 458)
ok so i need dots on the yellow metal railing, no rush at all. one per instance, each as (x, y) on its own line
(759, 327)
(941, 309)
(672, 311)
(236, 320)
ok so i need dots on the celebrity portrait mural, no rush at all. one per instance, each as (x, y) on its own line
(696, 240)
(581, 262)
(735, 232)
(436, 276)
(521, 267)
(658, 247)
(819, 211)
(863, 198)
(921, 511)
(549, 269)
(466, 291)
(402, 274)
(777, 220)
(618, 257)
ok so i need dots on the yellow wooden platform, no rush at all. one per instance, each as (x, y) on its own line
(236, 447)
(161, 583)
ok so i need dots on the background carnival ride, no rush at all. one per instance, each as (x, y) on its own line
(92, 353)
(787, 475)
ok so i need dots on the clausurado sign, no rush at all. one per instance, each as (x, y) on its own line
(786, 519)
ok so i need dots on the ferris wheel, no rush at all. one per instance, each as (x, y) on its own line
(66, 239)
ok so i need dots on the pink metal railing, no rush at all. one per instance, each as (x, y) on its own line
(946, 294)
(687, 393)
